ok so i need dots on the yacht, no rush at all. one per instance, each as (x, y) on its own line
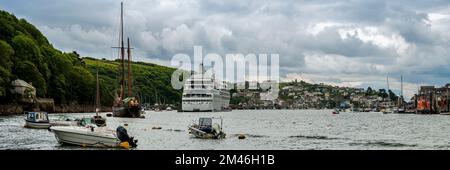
(202, 93)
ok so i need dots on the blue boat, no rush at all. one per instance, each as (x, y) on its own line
(37, 120)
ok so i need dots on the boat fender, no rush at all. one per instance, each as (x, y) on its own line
(92, 128)
(124, 145)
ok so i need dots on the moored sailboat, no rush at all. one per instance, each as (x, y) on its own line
(99, 120)
(125, 106)
(388, 108)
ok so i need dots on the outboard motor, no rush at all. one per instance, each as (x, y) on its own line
(123, 136)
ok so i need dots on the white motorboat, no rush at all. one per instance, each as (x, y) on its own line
(85, 136)
(205, 129)
(93, 136)
(37, 120)
(169, 108)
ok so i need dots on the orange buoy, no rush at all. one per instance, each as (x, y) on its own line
(125, 145)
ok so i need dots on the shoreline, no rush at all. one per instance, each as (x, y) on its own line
(18, 109)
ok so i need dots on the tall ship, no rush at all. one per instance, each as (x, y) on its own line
(202, 93)
(125, 105)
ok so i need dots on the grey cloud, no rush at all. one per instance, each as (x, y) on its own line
(160, 29)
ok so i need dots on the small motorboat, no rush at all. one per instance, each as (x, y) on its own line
(169, 108)
(93, 136)
(335, 111)
(205, 129)
(387, 111)
(227, 109)
(37, 120)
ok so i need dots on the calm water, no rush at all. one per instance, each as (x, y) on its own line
(265, 129)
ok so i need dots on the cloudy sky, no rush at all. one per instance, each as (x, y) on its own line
(346, 43)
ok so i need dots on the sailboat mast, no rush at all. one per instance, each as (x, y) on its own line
(401, 86)
(122, 54)
(401, 91)
(389, 94)
(129, 68)
(97, 100)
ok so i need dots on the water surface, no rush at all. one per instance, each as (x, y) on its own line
(265, 129)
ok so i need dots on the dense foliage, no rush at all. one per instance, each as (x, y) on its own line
(151, 82)
(26, 54)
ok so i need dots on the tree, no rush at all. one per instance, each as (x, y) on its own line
(4, 81)
(26, 49)
(382, 93)
(6, 51)
(82, 85)
(28, 72)
(33, 32)
(6, 30)
(393, 96)
(369, 91)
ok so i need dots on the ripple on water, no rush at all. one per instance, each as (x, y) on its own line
(250, 135)
(314, 137)
(174, 130)
(382, 144)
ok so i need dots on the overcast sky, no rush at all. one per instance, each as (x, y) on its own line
(346, 43)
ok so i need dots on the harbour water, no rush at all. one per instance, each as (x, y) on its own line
(265, 129)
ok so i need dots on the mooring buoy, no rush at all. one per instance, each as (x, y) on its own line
(156, 127)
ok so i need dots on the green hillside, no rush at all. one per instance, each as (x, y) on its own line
(25, 53)
(149, 80)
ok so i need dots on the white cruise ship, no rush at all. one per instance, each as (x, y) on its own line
(202, 93)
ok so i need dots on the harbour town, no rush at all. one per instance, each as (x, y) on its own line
(292, 95)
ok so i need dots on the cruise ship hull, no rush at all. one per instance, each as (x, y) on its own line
(198, 108)
(217, 104)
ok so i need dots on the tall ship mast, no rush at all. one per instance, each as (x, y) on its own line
(125, 105)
